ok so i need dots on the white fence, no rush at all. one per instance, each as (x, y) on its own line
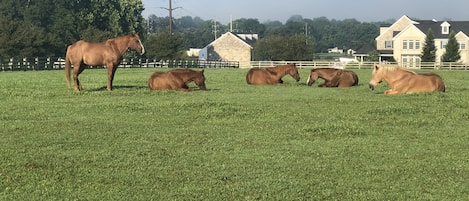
(363, 65)
(58, 63)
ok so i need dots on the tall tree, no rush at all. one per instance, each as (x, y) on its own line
(452, 49)
(163, 46)
(429, 48)
(296, 47)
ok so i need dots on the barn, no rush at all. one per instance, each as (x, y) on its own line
(230, 47)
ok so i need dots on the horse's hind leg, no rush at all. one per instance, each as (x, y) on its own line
(76, 71)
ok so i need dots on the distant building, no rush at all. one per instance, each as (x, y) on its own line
(193, 52)
(404, 40)
(230, 47)
(335, 50)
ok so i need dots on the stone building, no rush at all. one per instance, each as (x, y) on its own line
(230, 47)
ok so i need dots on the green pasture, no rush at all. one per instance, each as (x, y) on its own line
(231, 142)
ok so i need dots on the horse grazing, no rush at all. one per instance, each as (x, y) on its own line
(333, 77)
(176, 80)
(403, 81)
(108, 53)
(271, 75)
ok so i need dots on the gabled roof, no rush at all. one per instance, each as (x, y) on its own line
(250, 39)
(392, 28)
(456, 26)
(247, 39)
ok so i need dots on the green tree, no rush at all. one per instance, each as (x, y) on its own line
(452, 50)
(297, 47)
(372, 56)
(21, 39)
(250, 25)
(429, 48)
(163, 46)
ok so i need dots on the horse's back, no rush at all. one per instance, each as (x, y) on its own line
(350, 78)
(260, 76)
(154, 82)
(253, 74)
(173, 79)
(430, 81)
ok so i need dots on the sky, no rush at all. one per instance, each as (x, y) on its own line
(282, 10)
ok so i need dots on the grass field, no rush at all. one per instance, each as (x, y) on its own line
(231, 142)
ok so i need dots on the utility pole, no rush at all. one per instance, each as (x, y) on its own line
(215, 28)
(170, 9)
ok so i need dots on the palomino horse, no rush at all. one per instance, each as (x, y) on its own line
(108, 53)
(333, 77)
(176, 80)
(403, 81)
(271, 75)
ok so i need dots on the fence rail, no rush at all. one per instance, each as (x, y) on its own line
(56, 63)
(364, 65)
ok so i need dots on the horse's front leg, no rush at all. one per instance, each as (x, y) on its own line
(391, 92)
(111, 71)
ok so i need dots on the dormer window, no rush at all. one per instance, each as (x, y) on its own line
(445, 27)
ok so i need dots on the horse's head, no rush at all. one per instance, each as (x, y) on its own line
(313, 76)
(293, 71)
(136, 44)
(199, 80)
(376, 77)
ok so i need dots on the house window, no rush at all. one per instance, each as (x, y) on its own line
(444, 30)
(388, 44)
(411, 44)
(443, 44)
(462, 45)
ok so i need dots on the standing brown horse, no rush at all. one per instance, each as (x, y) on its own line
(333, 77)
(176, 80)
(108, 53)
(271, 75)
(403, 81)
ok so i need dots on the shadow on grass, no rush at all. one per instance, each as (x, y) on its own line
(119, 87)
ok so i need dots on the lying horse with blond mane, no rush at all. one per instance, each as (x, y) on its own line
(271, 75)
(333, 77)
(108, 53)
(403, 81)
(176, 79)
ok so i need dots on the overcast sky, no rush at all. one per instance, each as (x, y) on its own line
(281, 10)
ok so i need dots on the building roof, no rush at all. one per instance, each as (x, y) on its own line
(456, 26)
(365, 49)
(248, 38)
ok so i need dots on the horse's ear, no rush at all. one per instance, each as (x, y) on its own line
(202, 71)
(376, 67)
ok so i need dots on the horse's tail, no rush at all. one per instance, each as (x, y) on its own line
(67, 66)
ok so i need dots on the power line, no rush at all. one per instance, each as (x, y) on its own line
(170, 9)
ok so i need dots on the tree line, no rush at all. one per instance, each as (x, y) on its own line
(43, 28)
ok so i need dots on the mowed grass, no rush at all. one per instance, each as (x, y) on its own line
(231, 142)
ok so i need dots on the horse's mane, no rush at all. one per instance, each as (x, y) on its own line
(389, 68)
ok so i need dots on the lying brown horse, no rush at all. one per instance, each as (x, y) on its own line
(108, 53)
(176, 80)
(271, 75)
(403, 81)
(333, 77)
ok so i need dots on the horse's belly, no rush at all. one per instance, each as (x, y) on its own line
(94, 60)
